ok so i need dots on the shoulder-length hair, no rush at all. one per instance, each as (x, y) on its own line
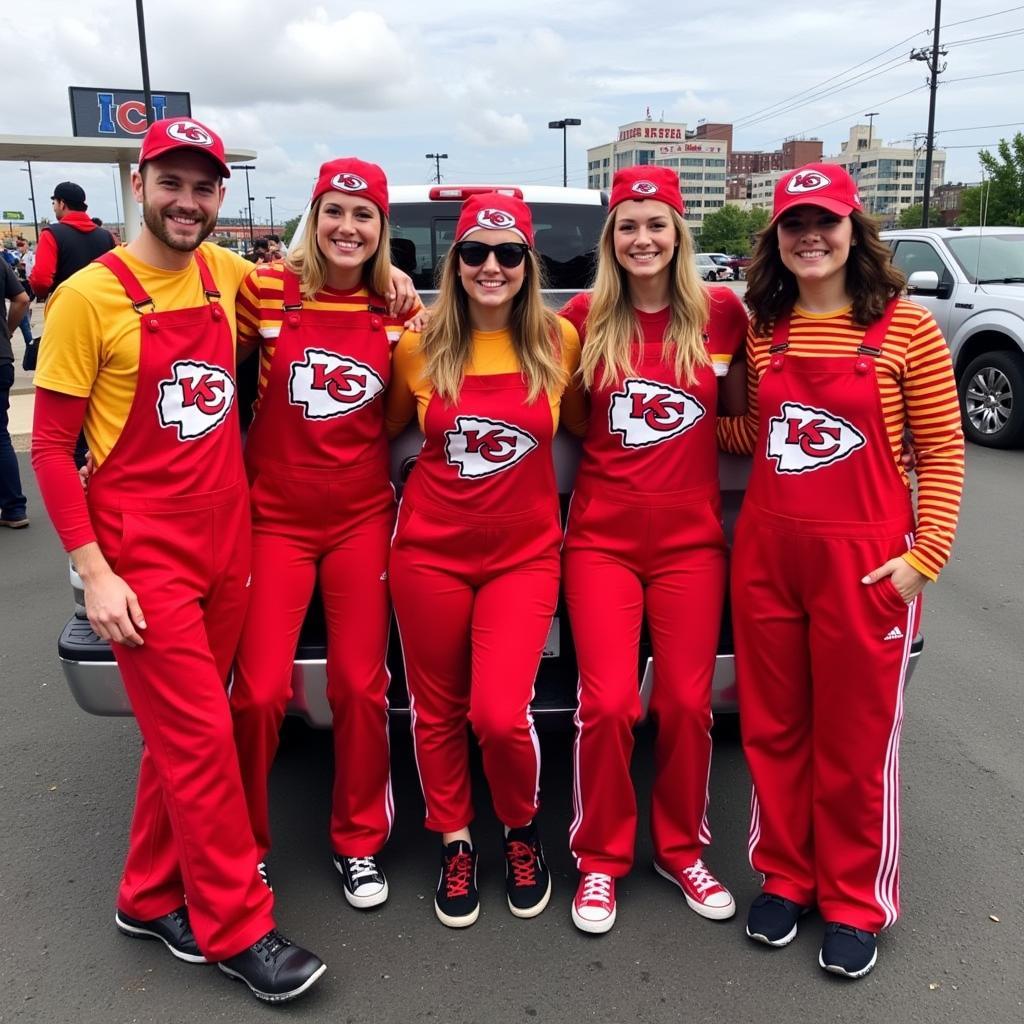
(536, 334)
(871, 279)
(310, 265)
(612, 325)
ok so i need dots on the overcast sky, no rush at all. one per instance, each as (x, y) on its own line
(300, 82)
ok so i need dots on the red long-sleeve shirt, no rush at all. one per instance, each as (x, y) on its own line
(41, 278)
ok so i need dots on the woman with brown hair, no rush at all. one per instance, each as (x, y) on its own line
(830, 559)
(644, 539)
(474, 562)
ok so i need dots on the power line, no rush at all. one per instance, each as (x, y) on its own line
(983, 17)
(985, 39)
(980, 127)
(992, 74)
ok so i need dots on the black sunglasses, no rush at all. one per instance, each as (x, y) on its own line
(508, 254)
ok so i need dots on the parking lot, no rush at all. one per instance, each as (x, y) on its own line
(958, 954)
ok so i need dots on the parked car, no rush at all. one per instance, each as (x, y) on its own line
(738, 265)
(425, 217)
(710, 270)
(972, 280)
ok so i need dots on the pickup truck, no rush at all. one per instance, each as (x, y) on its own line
(972, 280)
(567, 223)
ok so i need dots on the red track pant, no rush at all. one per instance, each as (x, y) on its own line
(620, 563)
(305, 526)
(474, 602)
(190, 835)
(821, 664)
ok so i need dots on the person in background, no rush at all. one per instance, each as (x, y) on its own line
(474, 561)
(830, 560)
(13, 504)
(644, 540)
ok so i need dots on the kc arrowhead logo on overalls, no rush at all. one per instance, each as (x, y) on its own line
(802, 438)
(647, 412)
(325, 384)
(481, 447)
(195, 399)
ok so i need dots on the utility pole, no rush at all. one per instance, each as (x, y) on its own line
(932, 60)
(270, 199)
(562, 124)
(437, 158)
(32, 197)
(871, 115)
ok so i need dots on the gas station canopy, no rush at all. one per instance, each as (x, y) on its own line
(74, 150)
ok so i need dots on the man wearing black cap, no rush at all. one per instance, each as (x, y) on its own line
(68, 245)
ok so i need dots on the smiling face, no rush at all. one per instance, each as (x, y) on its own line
(348, 232)
(490, 286)
(645, 238)
(814, 245)
(181, 195)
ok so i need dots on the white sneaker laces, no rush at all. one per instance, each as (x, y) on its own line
(699, 875)
(362, 868)
(597, 888)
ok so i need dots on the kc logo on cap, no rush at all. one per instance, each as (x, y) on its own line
(644, 188)
(495, 219)
(808, 181)
(190, 132)
(349, 183)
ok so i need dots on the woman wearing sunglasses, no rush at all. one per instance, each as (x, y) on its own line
(474, 561)
(323, 506)
(644, 539)
(829, 565)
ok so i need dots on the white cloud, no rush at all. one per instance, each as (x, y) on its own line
(489, 128)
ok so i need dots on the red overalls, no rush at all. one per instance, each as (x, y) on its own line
(644, 536)
(322, 505)
(474, 578)
(821, 657)
(171, 514)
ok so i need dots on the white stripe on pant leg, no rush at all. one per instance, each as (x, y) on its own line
(704, 832)
(536, 749)
(577, 787)
(754, 833)
(887, 876)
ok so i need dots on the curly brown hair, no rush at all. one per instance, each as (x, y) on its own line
(871, 278)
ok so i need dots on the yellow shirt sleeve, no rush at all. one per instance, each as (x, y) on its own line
(409, 388)
(72, 352)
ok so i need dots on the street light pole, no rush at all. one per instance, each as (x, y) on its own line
(871, 115)
(249, 197)
(32, 197)
(146, 92)
(564, 123)
(270, 199)
(437, 158)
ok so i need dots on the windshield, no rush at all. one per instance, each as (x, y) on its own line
(991, 257)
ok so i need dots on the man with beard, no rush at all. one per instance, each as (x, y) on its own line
(145, 359)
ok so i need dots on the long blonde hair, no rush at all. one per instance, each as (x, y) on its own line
(307, 261)
(612, 325)
(535, 330)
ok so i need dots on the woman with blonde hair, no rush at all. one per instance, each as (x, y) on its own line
(644, 538)
(323, 506)
(474, 562)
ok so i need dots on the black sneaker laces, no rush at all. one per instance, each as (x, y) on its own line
(270, 945)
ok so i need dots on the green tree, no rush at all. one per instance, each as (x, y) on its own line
(729, 230)
(759, 219)
(912, 216)
(1000, 200)
(288, 231)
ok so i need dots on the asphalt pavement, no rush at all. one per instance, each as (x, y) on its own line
(957, 955)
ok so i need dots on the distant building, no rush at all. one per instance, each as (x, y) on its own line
(701, 160)
(745, 164)
(949, 200)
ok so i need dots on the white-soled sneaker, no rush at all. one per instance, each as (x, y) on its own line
(593, 908)
(704, 893)
(363, 881)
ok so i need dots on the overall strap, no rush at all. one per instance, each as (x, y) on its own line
(292, 298)
(133, 289)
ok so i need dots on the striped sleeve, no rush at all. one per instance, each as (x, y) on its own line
(738, 434)
(247, 311)
(933, 416)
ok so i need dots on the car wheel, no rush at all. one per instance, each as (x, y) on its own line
(712, 275)
(992, 400)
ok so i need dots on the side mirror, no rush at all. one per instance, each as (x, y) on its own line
(923, 282)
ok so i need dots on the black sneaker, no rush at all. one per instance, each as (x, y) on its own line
(363, 881)
(773, 920)
(527, 879)
(457, 900)
(275, 969)
(847, 950)
(173, 930)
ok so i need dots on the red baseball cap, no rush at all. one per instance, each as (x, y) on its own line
(495, 211)
(183, 133)
(353, 176)
(824, 185)
(647, 181)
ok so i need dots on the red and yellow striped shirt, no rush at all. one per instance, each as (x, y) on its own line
(260, 313)
(918, 391)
